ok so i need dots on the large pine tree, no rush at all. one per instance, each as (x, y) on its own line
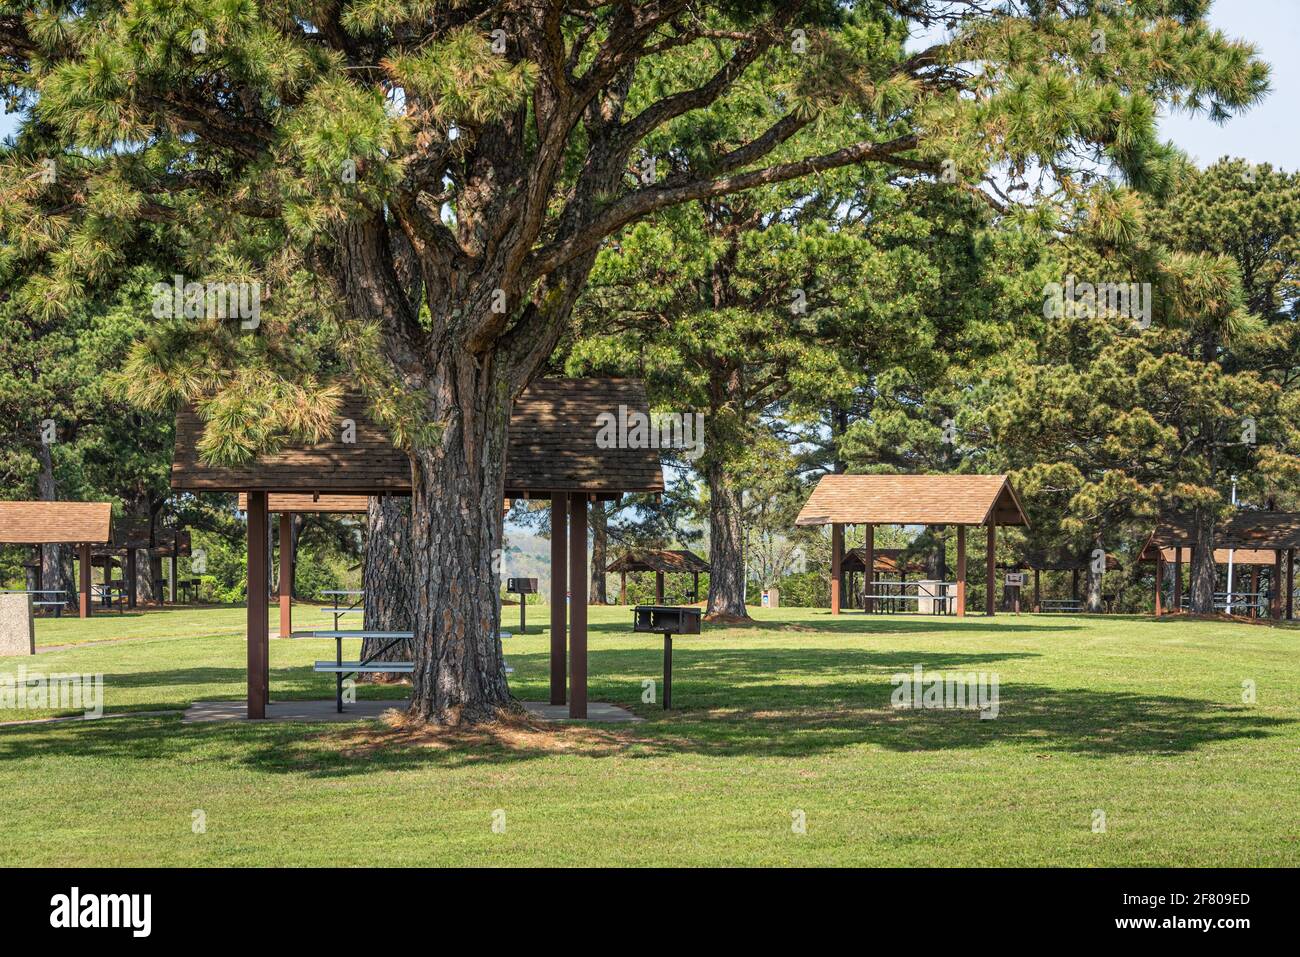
(440, 176)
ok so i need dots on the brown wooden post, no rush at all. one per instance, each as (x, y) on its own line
(622, 588)
(1276, 585)
(869, 569)
(695, 587)
(578, 605)
(559, 595)
(286, 574)
(129, 578)
(258, 629)
(961, 571)
(991, 568)
(1254, 591)
(1291, 580)
(659, 588)
(1178, 579)
(1038, 592)
(837, 565)
(83, 574)
(1160, 580)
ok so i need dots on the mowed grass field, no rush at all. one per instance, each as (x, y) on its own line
(786, 720)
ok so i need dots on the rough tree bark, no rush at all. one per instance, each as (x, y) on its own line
(388, 579)
(597, 594)
(726, 553)
(1093, 597)
(55, 559)
(1201, 597)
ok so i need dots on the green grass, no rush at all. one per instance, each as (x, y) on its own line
(1142, 720)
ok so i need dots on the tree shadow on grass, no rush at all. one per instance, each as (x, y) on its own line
(775, 703)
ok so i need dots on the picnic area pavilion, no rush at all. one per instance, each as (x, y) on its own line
(1263, 542)
(1058, 560)
(965, 501)
(551, 452)
(886, 562)
(130, 537)
(661, 561)
(82, 524)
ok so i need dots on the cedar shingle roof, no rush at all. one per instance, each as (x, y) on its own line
(912, 500)
(552, 447)
(1247, 529)
(658, 560)
(47, 523)
(1058, 560)
(140, 533)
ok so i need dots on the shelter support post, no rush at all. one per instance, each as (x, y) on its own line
(258, 629)
(837, 565)
(578, 605)
(659, 588)
(171, 578)
(991, 569)
(559, 594)
(1038, 591)
(869, 570)
(961, 571)
(286, 574)
(622, 588)
(83, 575)
(1254, 591)
(695, 587)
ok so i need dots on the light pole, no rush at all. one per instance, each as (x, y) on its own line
(1230, 550)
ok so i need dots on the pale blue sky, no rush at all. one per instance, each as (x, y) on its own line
(1268, 133)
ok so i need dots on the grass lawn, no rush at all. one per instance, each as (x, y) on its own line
(1141, 720)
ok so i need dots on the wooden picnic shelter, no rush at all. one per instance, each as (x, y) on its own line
(1055, 560)
(131, 536)
(552, 452)
(82, 524)
(885, 561)
(1258, 540)
(869, 500)
(661, 561)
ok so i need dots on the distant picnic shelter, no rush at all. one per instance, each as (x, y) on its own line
(930, 500)
(1258, 540)
(82, 524)
(552, 452)
(661, 561)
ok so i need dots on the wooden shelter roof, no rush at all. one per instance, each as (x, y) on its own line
(1245, 530)
(885, 560)
(913, 500)
(658, 560)
(283, 502)
(50, 523)
(140, 533)
(1057, 560)
(552, 447)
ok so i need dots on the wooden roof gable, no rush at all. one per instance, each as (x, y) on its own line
(658, 560)
(47, 523)
(552, 447)
(913, 500)
(1246, 529)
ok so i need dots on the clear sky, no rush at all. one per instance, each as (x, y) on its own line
(1268, 133)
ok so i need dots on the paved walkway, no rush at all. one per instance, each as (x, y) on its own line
(203, 711)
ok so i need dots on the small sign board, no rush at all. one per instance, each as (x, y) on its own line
(1015, 578)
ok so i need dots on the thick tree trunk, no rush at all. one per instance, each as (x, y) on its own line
(457, 487)
(597, 593)
(1094, 580)
(387, 578)
(1201, 599)
(55, 559)
(726, 554)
